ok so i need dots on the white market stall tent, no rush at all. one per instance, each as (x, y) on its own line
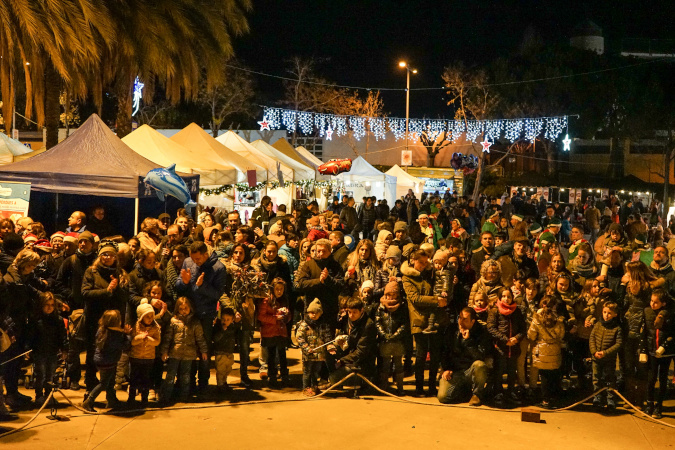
(364, 180)
(244, 149)
(405, 181)
(10, 148)
(301, 172)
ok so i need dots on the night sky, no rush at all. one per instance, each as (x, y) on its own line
(364, 40)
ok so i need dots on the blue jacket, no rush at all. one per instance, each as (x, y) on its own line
(111, 352)
(205, 297)
(292, 258)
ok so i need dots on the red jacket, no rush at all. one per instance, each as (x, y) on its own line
(270, 325)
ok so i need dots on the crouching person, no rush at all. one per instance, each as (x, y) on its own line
(463, 362)
(355, 348)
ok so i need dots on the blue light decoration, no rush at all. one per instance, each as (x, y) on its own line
(137, 95)
(482, 131)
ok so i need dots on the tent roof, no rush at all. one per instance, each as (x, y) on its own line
(286, 148)
(153, 145)
(239, 145)
(361, 167)
(301, 171)
(91, 161)
(9, 148)
(205, 145)
(302, 151)
(402, 175)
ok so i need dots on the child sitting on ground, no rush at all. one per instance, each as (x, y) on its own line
(604, 344)
(392, 323)
(224, 340)
(312, 334)
(145, 337)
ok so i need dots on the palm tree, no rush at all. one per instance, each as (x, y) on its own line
(171, 42)
(48, 40)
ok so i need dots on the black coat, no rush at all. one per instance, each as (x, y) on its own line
(361, 345)
(69, 280)
(47, 334)
(307, 282)
(461, 353)
(503, 327)
(96, 297)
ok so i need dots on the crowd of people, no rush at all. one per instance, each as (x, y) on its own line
(501, 302)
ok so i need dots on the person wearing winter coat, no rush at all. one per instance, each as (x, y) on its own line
(489, 283)
(464, 361)
(390, 271)
(506, 325)
(339, 251)
(290, 251)
(145, 337)
(105, 287)
(273, 316)
(383, 242)
(202, 280)
(322, 277)
(547, 333)
(392, 324)
(143, 273)
(417, 284)
(349, 217)
(657, 347)
(48, 341)
(443, 287)
(312, 334)
(224, 342)
(184, 343)
(366, 218)
(356, 345)
(604, 344)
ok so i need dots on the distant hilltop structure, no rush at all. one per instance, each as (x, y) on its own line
(588, 36)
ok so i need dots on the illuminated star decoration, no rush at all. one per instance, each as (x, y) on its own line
(138, 94)
(566, 143)
(264, 124)
(329, 133)
(486, 146)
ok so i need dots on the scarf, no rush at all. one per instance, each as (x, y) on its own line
(504, 309)
(611, 323)
(586, 270)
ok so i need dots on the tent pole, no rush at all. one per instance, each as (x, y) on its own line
(135, 216)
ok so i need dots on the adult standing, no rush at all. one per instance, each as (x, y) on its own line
(322, 277)
(418, 285)
(348, 216)
(202, 280)
(592, 216)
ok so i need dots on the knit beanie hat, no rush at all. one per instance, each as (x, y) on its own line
(86, 236)
(393, 252)
(367, 284)
(144, 308)
(400, 226)
(108, 246)
(440, 255)
(350, 243)
(315, 306)
(392, 288)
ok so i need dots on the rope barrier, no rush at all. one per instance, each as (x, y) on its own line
(331, 388)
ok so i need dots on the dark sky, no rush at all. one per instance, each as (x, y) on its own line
(364, 40)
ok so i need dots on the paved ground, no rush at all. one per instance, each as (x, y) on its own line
(335, 422)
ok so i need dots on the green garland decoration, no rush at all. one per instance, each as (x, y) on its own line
(244, 187)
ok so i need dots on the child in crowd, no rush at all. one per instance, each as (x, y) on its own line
(273, 316)
(546, 333)
(604, 345)
(153, 293)
(312, 333)
(506, 324)
(48, 343)
(224, 340)
(390, 271)
(442, 285)
(184, 342)
(392, 323)
(518, 286)
(500, 238)
(529, 304)
(383, 242)
(481, 306)
(656, 349)
(111, 341)
(145, 337)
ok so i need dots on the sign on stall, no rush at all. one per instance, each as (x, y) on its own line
(14, 200)
(406, 158)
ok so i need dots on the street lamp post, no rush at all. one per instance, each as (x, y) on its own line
(407, 97)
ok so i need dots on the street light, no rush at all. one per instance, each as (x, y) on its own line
(407, 97)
